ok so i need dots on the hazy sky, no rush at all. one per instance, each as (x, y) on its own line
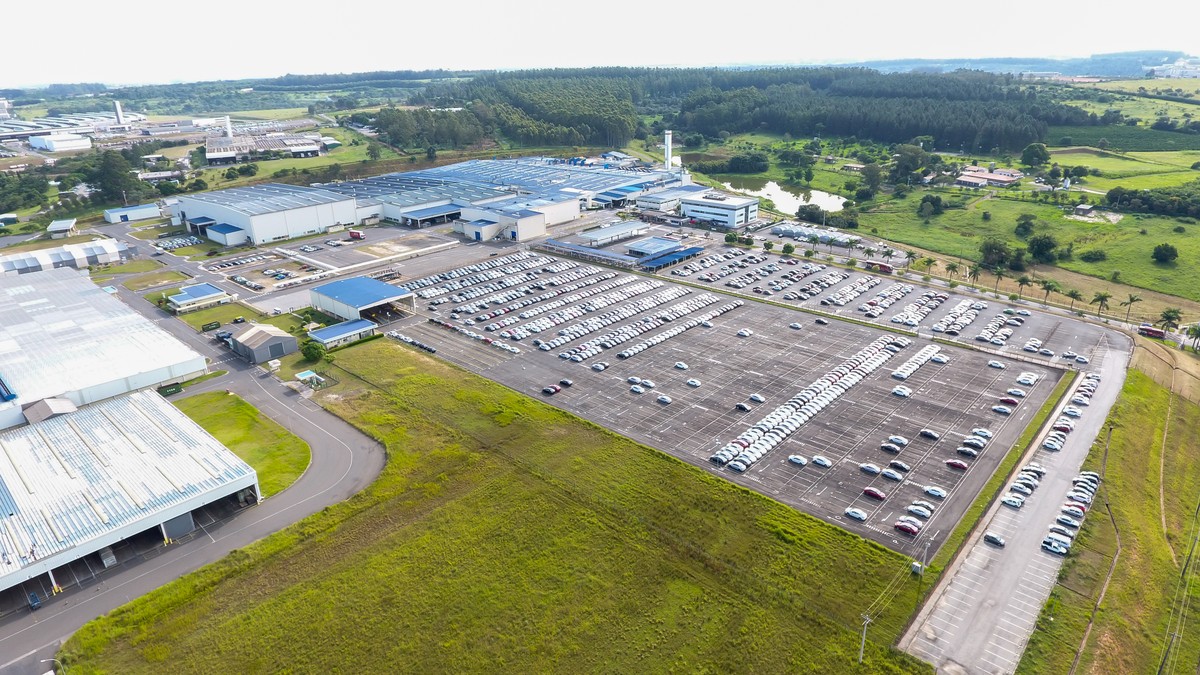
(147, 42)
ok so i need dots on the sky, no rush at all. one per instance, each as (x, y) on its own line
(136, 42)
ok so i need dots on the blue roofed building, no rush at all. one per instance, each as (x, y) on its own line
(358, 297)
(344, 333)
(229, 235)
(199, 296)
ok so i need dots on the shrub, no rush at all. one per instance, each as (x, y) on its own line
(1093, 255)
(312, 351)
(987, 215)
(1179, 229)
(1165, 253)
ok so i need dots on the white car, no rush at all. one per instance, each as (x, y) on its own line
(857, 514)
(798, 460)
(681, 365)
(664, 399)
(1015, 501)
(822, 461)
(981, 432)
(745, 332)
(902, 391)
(693, 382)
(995, 364)
(940, 358)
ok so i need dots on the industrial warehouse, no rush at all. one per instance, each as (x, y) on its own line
(484, 200)
(89, 456)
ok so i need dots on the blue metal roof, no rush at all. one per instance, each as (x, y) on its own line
(201, 220)
(340, 330)
(224, 228)
(654, 246)
(195, 293)
(663, 260)
(361, 292)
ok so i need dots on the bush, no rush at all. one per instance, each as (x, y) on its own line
(987, 215)
(1093, 255)
(1165, 253)
(1179, 229)
(312, 351)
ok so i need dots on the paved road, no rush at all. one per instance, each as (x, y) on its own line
(344, 461)
(979, 619)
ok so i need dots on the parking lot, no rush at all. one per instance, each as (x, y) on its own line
(774, 363)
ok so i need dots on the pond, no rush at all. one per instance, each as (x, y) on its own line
(787, 200)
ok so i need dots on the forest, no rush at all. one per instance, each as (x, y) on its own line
(1181, 200)
(20, 191)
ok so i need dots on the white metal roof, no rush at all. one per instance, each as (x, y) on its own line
(61, 335)
(257, 200)
(75, 483)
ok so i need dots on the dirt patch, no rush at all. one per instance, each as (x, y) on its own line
(1098, 219)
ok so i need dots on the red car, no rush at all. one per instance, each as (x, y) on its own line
(906, 528)
(1009, 400)
(1063, 427)
(957, 464)
(874, 493)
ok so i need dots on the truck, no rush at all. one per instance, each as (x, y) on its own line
(356, 234)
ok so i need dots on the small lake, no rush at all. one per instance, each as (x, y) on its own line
(786, 200)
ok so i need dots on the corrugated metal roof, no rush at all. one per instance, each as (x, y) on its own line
(261, 333)
(360, 292)
(257, 200)
(618, 230)
(224, 228)
(64, 225)
(110, 467)
(196, 292)
(61, 334)
(341, 330)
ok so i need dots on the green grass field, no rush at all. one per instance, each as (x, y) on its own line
(153, 279)
(1188, 85)
(507, 535)
(152, 233)
(276, 114)
(108, 272)
(1144, 108)
(1130, 630)
(1125, 138)
(276, 454)
(345, 154)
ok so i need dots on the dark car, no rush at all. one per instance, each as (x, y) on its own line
(875, 493)
(551, 390)
(930, 433)
(906, 528)
(565, 382)
(240, 319)
(957, 464)
(890, 448)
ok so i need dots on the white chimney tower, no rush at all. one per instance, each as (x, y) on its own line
(667, 146)
(228, 127)
(120, 113)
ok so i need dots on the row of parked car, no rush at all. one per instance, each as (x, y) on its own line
(814, 287)
(248, 283)
(845, 295)
(235, 262)
(1074, 510)
(411, 341)
(915, 312)
(600, 321)
(704, 320)
(874, 307)
(498, 344)
(494, 268)
(765, 435)
(923, 356)
(178, 242)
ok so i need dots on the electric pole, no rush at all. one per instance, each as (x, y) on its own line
(863, 644)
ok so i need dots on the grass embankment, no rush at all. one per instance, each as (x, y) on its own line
(41, 244)
(278, 455)
(507, 535)
(1131, 628)
(159, 232)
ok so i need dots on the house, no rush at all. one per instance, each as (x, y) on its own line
(1084, 210)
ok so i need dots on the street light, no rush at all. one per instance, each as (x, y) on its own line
(61, 667)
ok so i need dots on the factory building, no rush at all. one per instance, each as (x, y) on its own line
(344, 333)
(197, 297)
(361, 297)
(61, 229)
(721, 210)
(262, 342)
(90, 456)
(263, 214)
(60, 142)
(132, 213)
(78, 256)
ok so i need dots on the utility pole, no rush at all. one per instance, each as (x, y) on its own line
(863, 644)
(1160, 666)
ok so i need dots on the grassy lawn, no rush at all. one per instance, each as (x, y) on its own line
(225, 314)
(344, 154)
(279, 114)
(1128, 139)
(144, 281)
(507, 535)
(276, 454)
(41, 244)
(1188, 85)
(131, 267)
(1131, 626)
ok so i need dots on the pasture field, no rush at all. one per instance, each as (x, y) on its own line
(1153, 449)
(1145, 108)
(506, 533)
(144, 281)
(276, 454)
(1125, 139)
(1187, 84)
(959, 232)
(269, 115)
(1111, 164)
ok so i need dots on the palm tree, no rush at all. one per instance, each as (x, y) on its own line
(909, 256)
(1073, 295)
(928, 264)
(1049, 286)
(999, 272)
(1100, 300)
(1128, 304)
(1022, 282)
(1193, 332)
(952, 269)
(869, 252)
(1169, 319)
(973, 272)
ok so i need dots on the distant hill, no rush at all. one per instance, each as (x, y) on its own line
(1121, 64)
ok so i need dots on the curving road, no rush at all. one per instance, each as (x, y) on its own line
(344, 461)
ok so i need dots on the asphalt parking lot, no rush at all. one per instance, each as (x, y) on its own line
(776, 362)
